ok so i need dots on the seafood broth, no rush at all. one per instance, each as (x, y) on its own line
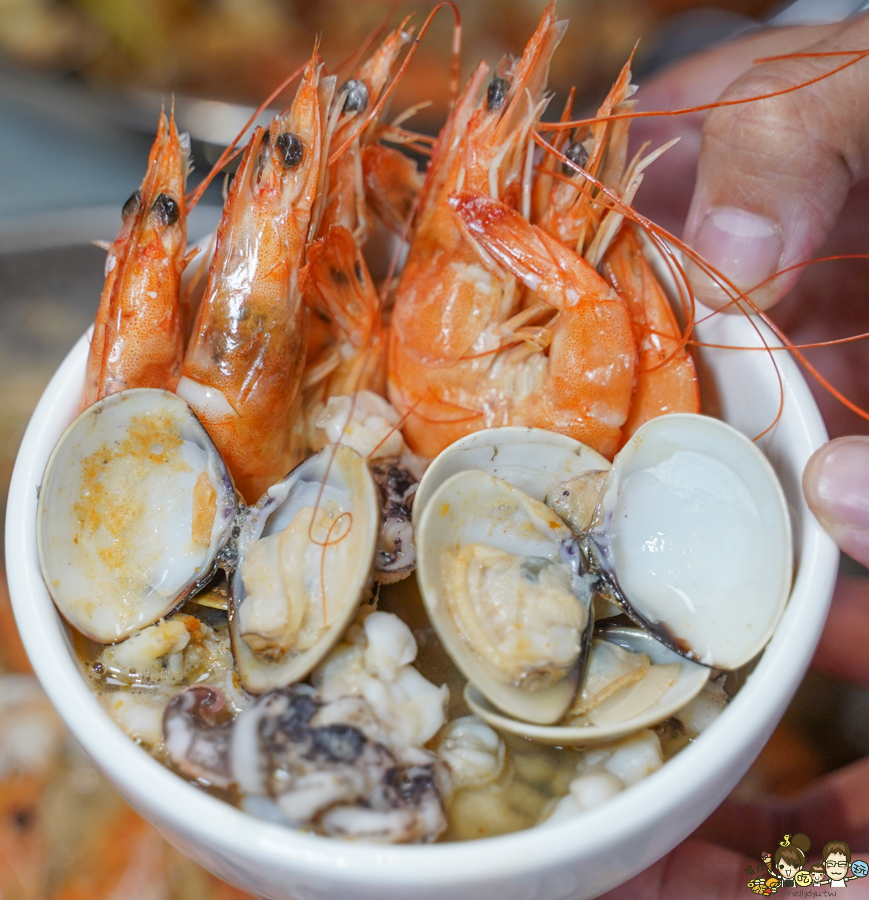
(533, 779)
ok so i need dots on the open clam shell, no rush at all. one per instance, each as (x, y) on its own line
(531, 459)
(498, 572)
(134, 507)
(305, 557)
(642, 703)
(693, 536)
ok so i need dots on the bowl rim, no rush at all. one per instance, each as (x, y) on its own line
(175, 806)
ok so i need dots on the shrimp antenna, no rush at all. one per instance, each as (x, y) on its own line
(857, 55)
(373, 35)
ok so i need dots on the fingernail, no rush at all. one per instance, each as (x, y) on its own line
(836, 485)
(744, 247)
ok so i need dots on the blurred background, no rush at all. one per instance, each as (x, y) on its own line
(81, 85)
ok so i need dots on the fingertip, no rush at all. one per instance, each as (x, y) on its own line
(742, 246)
(836, 487)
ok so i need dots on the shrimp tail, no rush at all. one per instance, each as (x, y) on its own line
(544, 265)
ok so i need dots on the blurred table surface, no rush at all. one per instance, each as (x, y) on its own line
(62, 183)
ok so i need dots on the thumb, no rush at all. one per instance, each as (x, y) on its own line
(836, 485)
(774, 174)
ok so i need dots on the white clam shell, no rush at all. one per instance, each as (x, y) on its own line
(474, 507)
(116, 513)
(688, 684)
(337, 477)
(693, 528)
(531, 459)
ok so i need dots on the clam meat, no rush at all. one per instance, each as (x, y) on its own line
(499, 575)
(305, 554)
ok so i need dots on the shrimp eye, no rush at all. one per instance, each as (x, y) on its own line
(132, 204)
(355, 95)
(576, 153)
(166, 210)
(292, 149)
(497, 92)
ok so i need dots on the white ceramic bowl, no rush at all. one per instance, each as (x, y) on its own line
(576, 859)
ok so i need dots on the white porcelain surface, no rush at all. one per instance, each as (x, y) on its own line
(576, 859)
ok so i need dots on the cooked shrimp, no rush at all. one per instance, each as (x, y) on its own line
(666, 377)
(392, 185)
(345, 200)
(339, 289)
(569, 212)
(575, 216)
(345, 213)
(449, 306)
(243, 368)
(138, 335)
(345, 351)
(583, 387)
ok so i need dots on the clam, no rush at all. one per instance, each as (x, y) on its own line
(632, 681)
(690, 537)
(134, 508)
(306, 552)
(138, 511)
(499, 575)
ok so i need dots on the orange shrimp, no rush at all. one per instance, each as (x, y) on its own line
(345, 309)
(449, 307)
(346, 343)
(339, 289)
(243, 368)
(569, 212)
(138, 335)
(392, 185)
(345, 199)
(583, 387)
(666, 377)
